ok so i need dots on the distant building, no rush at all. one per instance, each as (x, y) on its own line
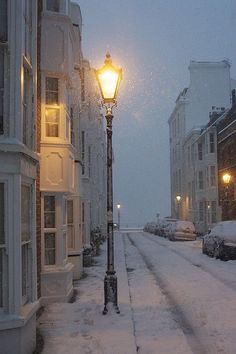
(226, 132)
(209, 91)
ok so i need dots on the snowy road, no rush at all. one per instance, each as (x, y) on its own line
(195, 311)
(172, 298)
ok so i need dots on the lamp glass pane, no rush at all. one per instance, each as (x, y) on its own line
(108, 80)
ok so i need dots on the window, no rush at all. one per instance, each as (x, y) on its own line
(82, 81)
(3, 257)
(28, 28)
(199, 151)
(26, 241)
(200, 180)
(212, 142)
(201, 211)
(2, 56)
(52, 113)
(70, 225)
(213, 212)
(89, 161)
(53, 5)
(83, 151)
(72, 132)
(52, 91)
(213, 176)
(83, 224)
(3, 21)
(49, 230)
(27, 110)
(50, 248)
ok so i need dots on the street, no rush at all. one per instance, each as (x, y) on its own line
(172, 299)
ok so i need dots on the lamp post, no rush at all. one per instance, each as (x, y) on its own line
(118, 208)
(109, 78)
(178, 200)
(226, 180)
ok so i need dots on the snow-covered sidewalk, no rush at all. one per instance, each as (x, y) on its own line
(80, 327)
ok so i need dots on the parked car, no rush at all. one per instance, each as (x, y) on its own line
(163, 226)
(150, 227)
(182, 230)
(220, 242)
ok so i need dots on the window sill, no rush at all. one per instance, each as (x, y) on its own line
(8, 321)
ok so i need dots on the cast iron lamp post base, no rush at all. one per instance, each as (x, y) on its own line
(110, 292)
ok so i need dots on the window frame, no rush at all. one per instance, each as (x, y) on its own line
(49, 230)
(27, 244)
(4, 250)
(70, 226)
(56, 107)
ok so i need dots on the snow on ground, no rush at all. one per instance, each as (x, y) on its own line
(174, 299)
(207, 304)
(80, 327)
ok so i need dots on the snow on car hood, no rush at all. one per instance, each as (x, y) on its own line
(225, 230)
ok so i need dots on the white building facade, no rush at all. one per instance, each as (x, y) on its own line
(210, 89)
(60, 167)
(18, 173)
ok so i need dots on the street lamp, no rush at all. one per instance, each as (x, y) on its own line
(178, 200)
(226, 178)
(109, 78)
(118, 208)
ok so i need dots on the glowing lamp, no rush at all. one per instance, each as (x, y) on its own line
(178, 198)
(109, 78)
(226, 178)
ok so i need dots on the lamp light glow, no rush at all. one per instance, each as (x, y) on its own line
(109, 78)
(226, 178)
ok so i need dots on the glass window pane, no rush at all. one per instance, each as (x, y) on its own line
(49, 203)
(50, 248)
(2, 236)
(52, 90)
(24, 262)
(49, 219)
(53, 5)
(25, 213)
(52, 122)
(70, 211)
(49, 211)
(1, 277)
(3, 20)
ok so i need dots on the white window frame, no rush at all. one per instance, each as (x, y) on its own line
(27, 106)
(49, 230)
(27, 244)
(213, 175)
(56, 107)
(70, 226)
(28, 18)
(4, 250)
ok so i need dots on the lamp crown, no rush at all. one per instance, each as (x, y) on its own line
(108, 58)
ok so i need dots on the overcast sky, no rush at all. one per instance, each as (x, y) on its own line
(153, 41)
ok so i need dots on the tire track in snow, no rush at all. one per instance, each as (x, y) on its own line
(192, 338)
(197, 265)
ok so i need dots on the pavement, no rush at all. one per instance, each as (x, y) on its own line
(80, 327)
